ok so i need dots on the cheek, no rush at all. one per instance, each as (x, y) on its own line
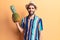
(33, 9)
(28, 10)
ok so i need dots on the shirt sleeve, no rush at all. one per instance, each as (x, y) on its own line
(22, 23)
(40, 25)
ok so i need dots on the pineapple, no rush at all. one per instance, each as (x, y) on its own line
(15, 16)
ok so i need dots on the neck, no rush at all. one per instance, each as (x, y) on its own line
(31, 17)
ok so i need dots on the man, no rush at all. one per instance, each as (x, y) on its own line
(31, 25)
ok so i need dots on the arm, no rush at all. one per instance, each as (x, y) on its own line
(40, 36)
(19, 27)
(40, 29)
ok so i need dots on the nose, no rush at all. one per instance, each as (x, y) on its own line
(31, 9)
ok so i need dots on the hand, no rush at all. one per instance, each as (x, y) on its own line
(17, 23)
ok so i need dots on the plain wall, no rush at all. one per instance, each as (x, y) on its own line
(48, 10)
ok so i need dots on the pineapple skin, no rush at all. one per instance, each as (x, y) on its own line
(15, 17)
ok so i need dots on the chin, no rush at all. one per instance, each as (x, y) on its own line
(31, 14)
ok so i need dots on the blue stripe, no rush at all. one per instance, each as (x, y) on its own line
(26, 28)
(32, 28)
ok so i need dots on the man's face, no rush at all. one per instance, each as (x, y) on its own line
(31, 10)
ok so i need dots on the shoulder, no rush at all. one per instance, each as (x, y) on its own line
(38, 17)
(24, 19)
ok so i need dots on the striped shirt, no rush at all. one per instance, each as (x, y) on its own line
(32, 29)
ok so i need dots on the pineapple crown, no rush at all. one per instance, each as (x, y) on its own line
(12, 7)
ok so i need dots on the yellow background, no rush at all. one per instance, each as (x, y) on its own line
(48, 10)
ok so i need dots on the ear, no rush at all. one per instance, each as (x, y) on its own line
(26, 6)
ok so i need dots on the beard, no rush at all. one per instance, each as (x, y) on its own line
(31, 13)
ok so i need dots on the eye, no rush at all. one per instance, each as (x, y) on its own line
(32, 8)
(29, 8)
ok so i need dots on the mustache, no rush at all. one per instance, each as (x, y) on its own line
(31, 11)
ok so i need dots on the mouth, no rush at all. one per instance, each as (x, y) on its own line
(31, 11)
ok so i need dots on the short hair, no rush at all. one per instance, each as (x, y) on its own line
(27, 6)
